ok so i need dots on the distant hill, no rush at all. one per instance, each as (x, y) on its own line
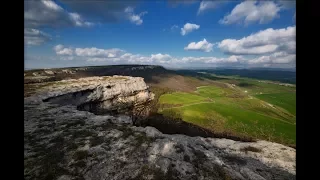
(284, 76)
(152, 73)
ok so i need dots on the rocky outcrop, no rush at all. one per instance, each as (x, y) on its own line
(62, 142)
(97, 94)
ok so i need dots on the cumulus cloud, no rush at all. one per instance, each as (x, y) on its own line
(117, 56)
(61, 50)
(160, 57)
(134, 18)
(203, 45)
(47, 13)
(188, 27)
(58, 47)
(65, 51)
(35, 36)
(275, 58)
(249, 12)
(266, 41)
(207, 5)
(105, 11)
(214, 60)
(91, 52)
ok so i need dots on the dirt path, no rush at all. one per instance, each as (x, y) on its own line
(188, 105)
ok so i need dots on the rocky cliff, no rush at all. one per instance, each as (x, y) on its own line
(66, 139)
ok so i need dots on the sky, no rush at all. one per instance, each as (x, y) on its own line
(170, 33)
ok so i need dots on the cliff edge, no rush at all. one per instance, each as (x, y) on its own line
(71, 133)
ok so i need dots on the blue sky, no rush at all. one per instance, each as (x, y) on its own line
(217, 33)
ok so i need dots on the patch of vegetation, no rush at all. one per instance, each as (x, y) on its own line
(173, 114)
(215, 171)
(47, 160)
(245, 84)
(286, 101)
(147, 172)
(233, 112)
(181, 98)
(80, 155)
(250, 148)
(235, 160)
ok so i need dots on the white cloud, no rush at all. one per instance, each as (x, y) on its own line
(206, 5)
(35, 36)
(275, 58)
(266, 41)
(203, 45)
(249, 12)
(134, 18)
(160, 57)
(117, 56)
(58, 47)
(61, 50)
(91, 52)
(212, 60)
(47, 13)
(188, 27)
(65, 51)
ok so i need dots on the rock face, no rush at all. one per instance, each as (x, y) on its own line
(98, 94)
(62, 142)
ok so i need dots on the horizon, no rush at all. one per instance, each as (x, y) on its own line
(189, 34)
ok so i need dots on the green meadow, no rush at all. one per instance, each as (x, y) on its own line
(241, 107)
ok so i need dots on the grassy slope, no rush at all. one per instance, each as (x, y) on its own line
(284, 100)
(237, 106)
(181, 98)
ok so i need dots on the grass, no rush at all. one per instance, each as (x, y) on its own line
(252, 108)
(181, 98)
(286, 101)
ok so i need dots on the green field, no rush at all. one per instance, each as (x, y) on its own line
(284, 100)
(181, 98)
(245, 106)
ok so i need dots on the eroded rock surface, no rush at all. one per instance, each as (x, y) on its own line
(62, 142)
